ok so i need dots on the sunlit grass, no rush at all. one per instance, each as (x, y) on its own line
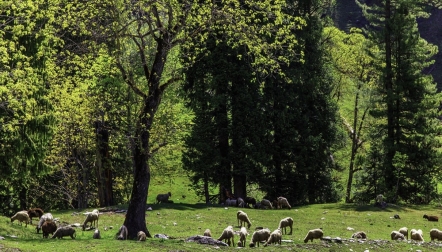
(181, 220)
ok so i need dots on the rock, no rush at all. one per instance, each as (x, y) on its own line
(205, 240)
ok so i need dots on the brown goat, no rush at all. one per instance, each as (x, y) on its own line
(35, 212)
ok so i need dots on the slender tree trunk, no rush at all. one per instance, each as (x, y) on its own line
(354, 146)
(222, 121)
(23, 198)
(103, 166)
(390, 152)
(206, 189)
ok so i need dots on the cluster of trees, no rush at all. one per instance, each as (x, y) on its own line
(96, 97)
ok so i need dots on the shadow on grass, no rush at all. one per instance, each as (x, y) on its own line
(182, 206)
(359, 208)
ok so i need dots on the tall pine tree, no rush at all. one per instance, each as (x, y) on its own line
(407, 108)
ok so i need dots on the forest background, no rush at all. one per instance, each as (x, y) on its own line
(319, 101)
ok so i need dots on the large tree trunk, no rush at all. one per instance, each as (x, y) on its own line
(103, 166)
(136, 213)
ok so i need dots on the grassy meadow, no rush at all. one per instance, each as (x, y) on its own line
(187, 217)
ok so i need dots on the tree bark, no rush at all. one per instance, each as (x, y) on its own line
(103, 166)
(135, 217)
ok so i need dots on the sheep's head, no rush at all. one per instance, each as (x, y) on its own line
(170, 195)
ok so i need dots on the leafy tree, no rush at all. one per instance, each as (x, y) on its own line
(302, 116)
(27, 120)
(355, 80)
(408, 103)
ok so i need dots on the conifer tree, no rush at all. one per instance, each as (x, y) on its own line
(407, 109)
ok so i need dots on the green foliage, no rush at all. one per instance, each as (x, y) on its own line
(407, 107)
(27, 120)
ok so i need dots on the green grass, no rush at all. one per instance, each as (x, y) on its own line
(182, 220)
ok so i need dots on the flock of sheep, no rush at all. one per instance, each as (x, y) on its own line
(48, 225)
(260, 234)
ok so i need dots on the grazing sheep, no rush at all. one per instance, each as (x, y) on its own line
(266, 203)
(141, 236)
(380, 198)
(227, 235)
(275, 237)
(230, 202)
(286, 222)
(240, 202)
(359, 235)
(435, 234)
(314, 234)
(96, 234)
(64, 231)
(242, 237)
(396, 235)
(283, 202)
(404, 231)
(164, 198)
(207, 233)
(48, 227)
(242, 217)
(43, 218)
(91, 217)
(431, 217)
(35, 212)
(21, 216)
(250, 201)
(416, 235)
(259, 236)
(122, 233)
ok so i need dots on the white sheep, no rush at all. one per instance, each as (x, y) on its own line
(416, 235)
(141, 236)
(404, 231)
(227, 235)
(314, 234)
(286, 222)
(242, 237)
(21, 216)
(164, 198)
(242, 217)
(259, 236)
(283, 202)
(396, 235)
(241, 202)
(380, 198)
(122, 233)
(96, 234)
(207, 233)
(266, 203)
(43, 218)
(275, 237)
(91, 217)
(435, 234)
